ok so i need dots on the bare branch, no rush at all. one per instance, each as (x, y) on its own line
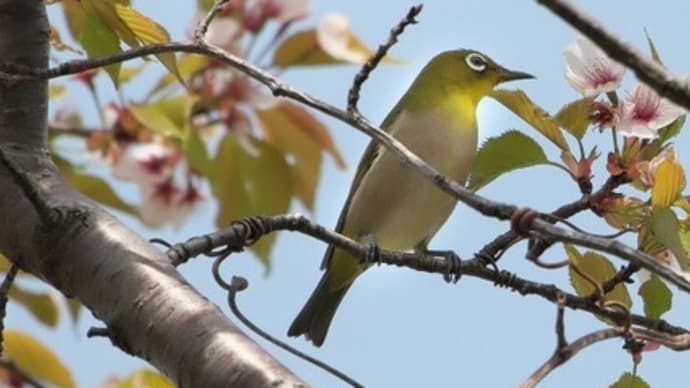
(560, 356)
(247, 231)
(202, 28)
(653, 74)
(373, 62)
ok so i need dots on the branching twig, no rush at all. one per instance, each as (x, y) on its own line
(562, 355)
(202, 28)
(653, 74)
(248, 230)
(374, 60)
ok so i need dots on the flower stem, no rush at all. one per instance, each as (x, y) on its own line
(614, 135)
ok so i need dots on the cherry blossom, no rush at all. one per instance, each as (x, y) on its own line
(145, 163)
(589, 70)
(644, 112)
(168, 203)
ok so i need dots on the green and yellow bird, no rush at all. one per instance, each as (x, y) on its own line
(389, 203)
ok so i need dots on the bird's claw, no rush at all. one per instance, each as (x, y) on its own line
(453, 270)
(373, 254)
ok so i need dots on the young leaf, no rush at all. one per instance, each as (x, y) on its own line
(149, 32)
(600, 269)
(168, 116)
(656, 297)
(666, 229)
(188, 65)
(42, 305)
(627, 380)
(499, 155)
(99, 40)
(669, 182)
(300, 135)
(575, 117)
(253, 178)
(106, 11)
(518, 102)
(652, 48)
(36, 360)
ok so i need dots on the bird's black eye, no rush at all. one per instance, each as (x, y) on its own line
(476, 62)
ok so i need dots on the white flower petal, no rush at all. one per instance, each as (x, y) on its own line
(589, 70)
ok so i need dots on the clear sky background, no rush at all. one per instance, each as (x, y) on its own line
(398, 327)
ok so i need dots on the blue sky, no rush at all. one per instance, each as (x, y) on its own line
(398, 327)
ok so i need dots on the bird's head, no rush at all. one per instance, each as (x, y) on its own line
(466, 73)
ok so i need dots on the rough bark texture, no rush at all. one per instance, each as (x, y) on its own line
(55, 233)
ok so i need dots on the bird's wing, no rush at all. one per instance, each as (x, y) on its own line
(372, 151)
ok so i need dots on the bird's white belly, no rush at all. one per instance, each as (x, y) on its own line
(408, 208)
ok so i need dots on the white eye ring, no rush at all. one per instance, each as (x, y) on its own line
(476, 62)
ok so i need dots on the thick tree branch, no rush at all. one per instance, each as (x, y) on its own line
(84, 252)
(653, 74)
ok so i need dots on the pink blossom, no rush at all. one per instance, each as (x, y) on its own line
(168, 203)
(145, 163)
(589, 70)
(644, 112)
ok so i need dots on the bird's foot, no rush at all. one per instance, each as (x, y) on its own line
(373, 255)
(453, 264)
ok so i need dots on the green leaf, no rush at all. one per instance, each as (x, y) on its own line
(42, 305)
(652, 48)
(575, 117)
(518, 102)
(253, 178)
(148, 32)
(301, 137)
(656, 296)
(499, 155)
(188, 65)
(197, 156)
(627, 380)
(36, 360)
(665, 228)
(169, 116)
(99, 40)
(598, 268)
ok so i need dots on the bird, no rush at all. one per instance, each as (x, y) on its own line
(390, 205)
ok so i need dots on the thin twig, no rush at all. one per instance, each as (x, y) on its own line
(202, 28)
(648, 71)
(374, 60)
(562, 355)
(238, 284)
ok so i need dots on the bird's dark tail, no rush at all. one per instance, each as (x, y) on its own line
(316, 315)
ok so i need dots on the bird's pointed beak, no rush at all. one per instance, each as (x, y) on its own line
(512, 75)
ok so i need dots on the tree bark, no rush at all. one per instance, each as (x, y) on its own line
(55, 233)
